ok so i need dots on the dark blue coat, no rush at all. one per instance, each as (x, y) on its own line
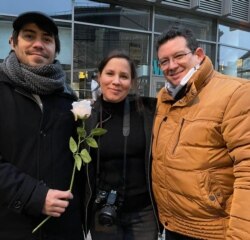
(35, 156)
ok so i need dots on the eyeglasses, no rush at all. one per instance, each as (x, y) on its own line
(176, 59)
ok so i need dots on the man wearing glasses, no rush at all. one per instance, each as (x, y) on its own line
(201, 146)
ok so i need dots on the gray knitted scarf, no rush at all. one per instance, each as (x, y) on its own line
(42, 80)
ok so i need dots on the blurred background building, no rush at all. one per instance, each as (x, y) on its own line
(90, 29)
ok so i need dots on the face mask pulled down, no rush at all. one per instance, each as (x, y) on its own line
(173, 90)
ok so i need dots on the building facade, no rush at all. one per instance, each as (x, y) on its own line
(90, 29)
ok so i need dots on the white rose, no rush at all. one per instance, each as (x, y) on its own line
(81, 109)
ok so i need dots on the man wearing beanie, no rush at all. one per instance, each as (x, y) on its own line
(36, 123)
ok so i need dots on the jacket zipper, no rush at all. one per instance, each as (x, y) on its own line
(178, 137)
(150, 190)
(149, 181)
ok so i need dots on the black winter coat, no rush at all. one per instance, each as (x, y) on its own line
(35, 156)
(149, 105)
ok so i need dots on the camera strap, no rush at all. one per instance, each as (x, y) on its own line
(125, 131)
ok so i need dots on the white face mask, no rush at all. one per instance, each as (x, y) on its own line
(173, 90)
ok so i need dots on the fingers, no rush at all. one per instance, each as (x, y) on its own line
(61, 194)
(56, 212)
(56, 202)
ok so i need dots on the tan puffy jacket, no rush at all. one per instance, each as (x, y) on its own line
(201, 157)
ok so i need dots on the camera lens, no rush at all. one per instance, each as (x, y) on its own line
(101, 196)
(107, 215)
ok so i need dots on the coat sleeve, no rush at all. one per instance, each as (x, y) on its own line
(19, 192)
(236, 132)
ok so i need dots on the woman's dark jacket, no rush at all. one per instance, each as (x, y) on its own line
(148, 111)
(35, 156)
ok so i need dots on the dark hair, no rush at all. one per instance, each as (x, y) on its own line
(43, 27)
(178, 31)
(120, 54)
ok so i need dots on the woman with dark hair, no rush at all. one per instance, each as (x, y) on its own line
(119, 202)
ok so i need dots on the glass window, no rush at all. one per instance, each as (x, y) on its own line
(5, 33)
(234, 62)
(110, 14)
(209, 50)
(202, 27)
(52, 8)
(92, 44)
(234, 36)
(65, 56)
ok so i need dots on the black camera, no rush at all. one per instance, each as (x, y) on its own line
(108, 202)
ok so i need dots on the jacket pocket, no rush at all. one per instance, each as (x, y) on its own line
(211, 192)
(191, 134)
(194, 194)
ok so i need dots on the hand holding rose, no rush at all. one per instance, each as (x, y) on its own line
(57, 201)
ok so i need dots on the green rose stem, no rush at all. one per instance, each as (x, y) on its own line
(70, 186)
(38, 226)
(70, 189)
(80, 157)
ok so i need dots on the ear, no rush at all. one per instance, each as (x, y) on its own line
(199, 52)
(11, 43)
